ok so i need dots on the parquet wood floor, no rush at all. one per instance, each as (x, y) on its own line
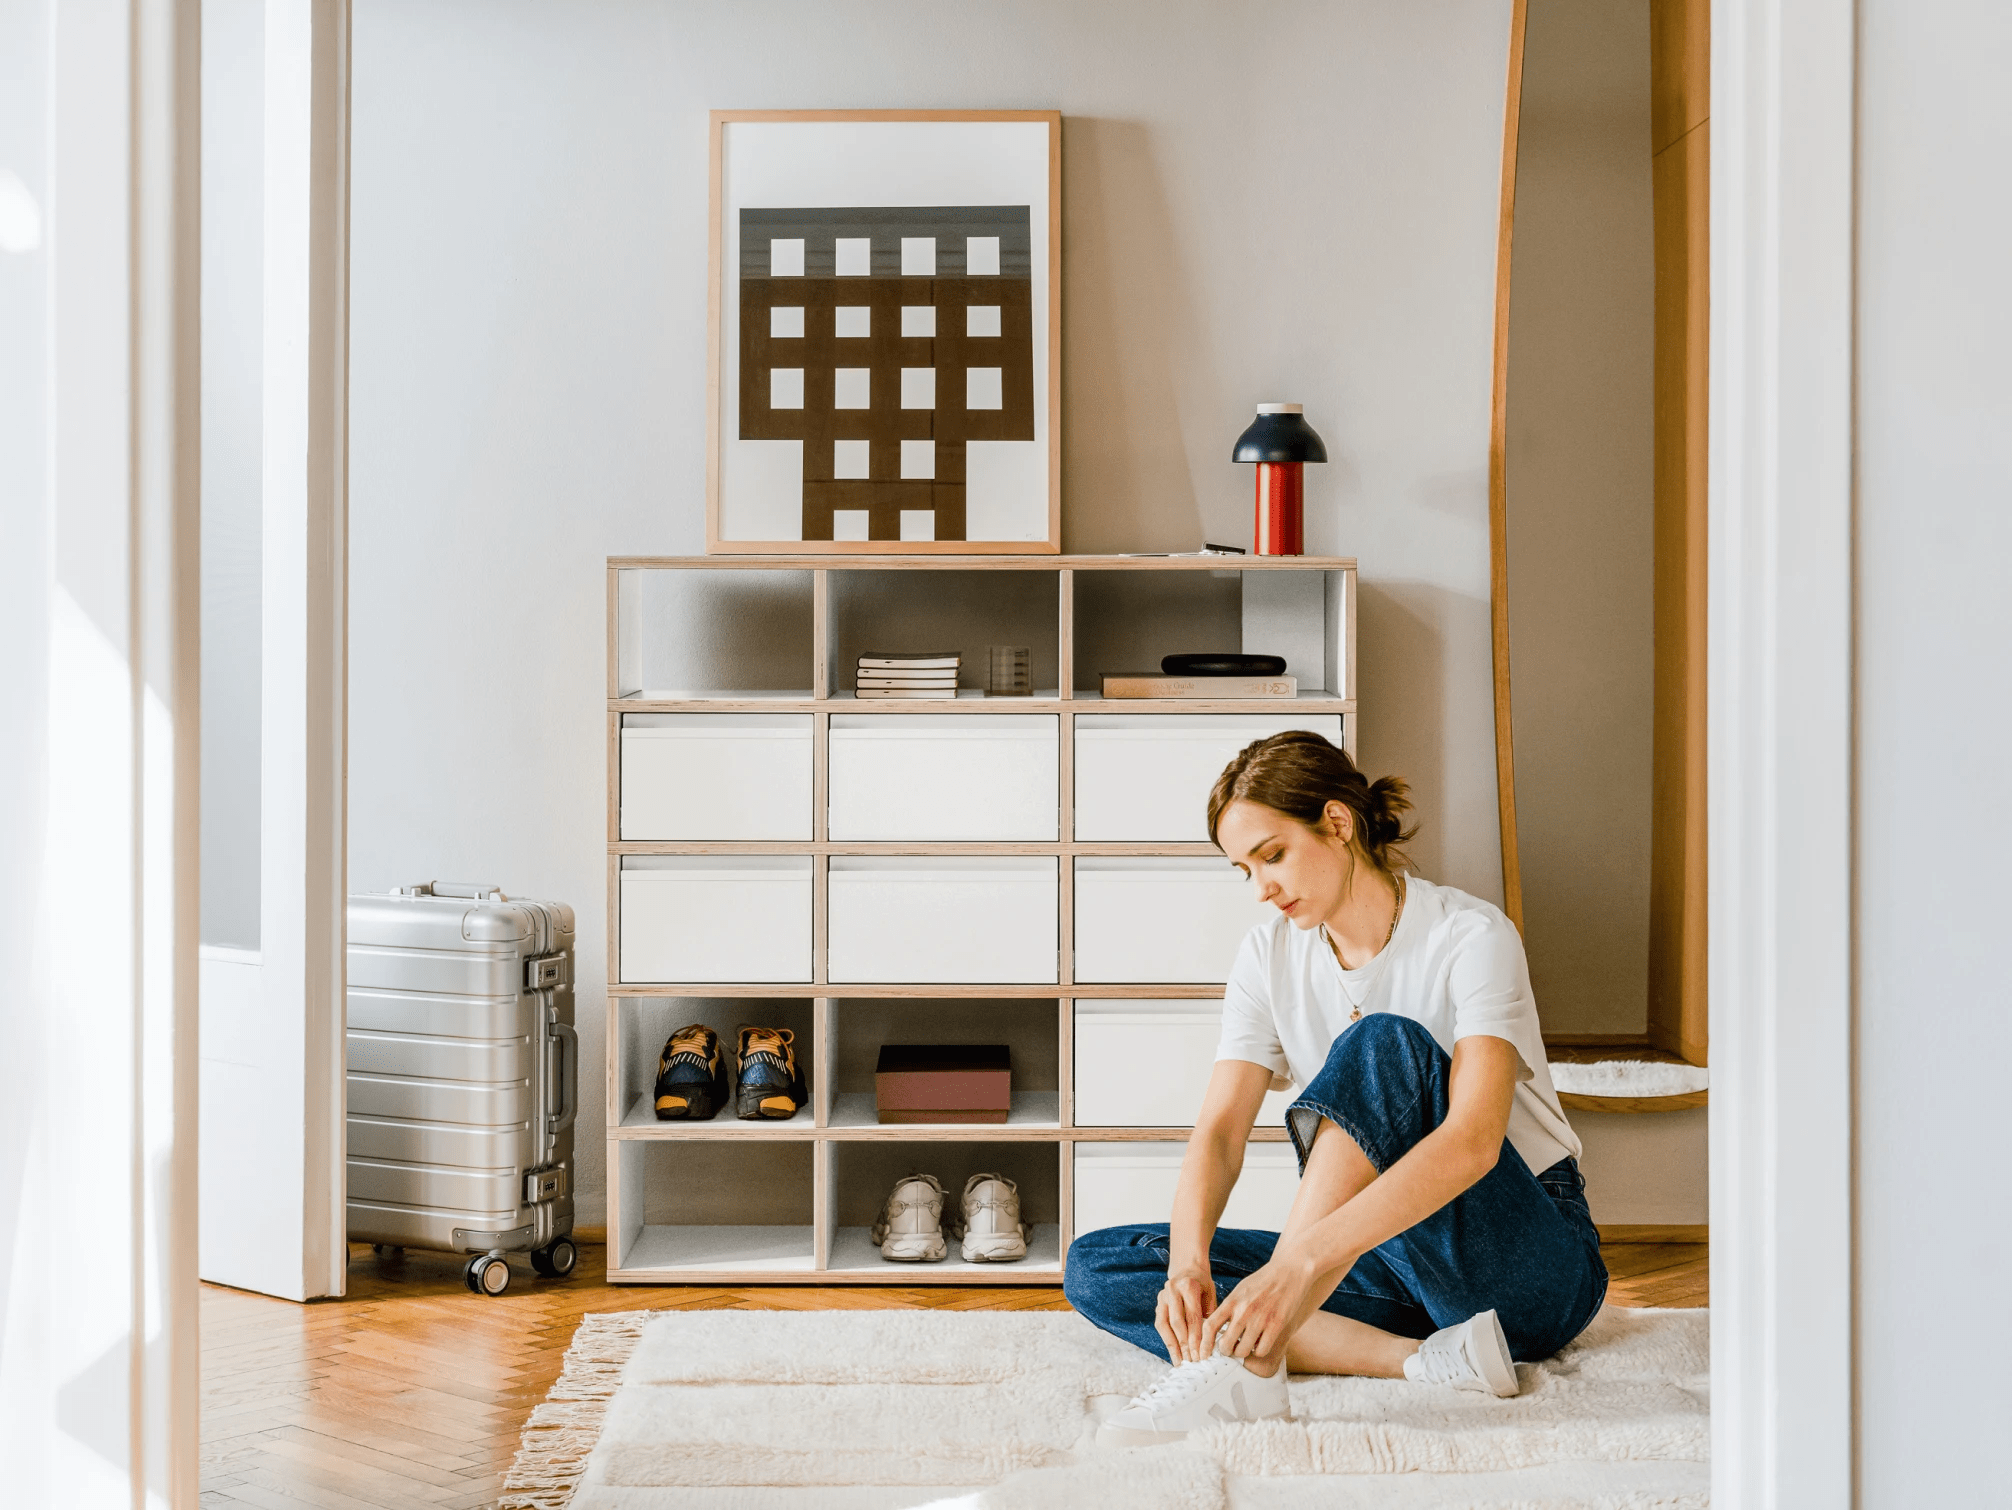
(408, 1393)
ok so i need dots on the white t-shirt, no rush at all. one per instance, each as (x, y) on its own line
(1454, 965)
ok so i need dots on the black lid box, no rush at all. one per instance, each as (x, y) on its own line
(959, 1082)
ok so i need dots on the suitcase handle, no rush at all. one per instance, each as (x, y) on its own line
(461, 890)
(569, 1060)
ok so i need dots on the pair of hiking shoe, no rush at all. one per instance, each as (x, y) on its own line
(913, 1226)
(692, 1075)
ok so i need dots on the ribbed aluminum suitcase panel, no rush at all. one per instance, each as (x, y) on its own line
(443, 1143)
(462, 1070)
(494, 1191)
(494, 1060)
(500, 1111)
(444, 1016)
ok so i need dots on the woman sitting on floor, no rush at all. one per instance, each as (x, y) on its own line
(1440, 1230)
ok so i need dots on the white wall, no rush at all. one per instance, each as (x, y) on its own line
(1934, 801)
(1296, 202)
(1582, 511)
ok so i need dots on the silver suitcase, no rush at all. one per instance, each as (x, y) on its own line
(463, 1077)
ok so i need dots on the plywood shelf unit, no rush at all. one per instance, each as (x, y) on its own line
(761, 637)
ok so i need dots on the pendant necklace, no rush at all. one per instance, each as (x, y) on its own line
(1396, 911)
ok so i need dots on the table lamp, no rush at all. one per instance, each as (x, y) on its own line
(1280, 441)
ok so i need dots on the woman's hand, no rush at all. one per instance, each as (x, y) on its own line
(1181, 1316)
(1259, 1316)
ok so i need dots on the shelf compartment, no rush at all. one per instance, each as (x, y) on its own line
(684, 630)
(1030, 1030)
(1127, 620)
(942, 919)
(722, 1205)
(733, 776)
(939, 609)
(642, 1024)
(1146, 777)
(944, 777)
(864, 1172)
(1158, 919)
(704, 918)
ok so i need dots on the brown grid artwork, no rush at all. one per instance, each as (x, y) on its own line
(810, 261)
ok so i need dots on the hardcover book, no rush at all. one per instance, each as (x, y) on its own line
(1148, 684)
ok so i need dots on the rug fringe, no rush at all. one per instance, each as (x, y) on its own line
(560, 1436)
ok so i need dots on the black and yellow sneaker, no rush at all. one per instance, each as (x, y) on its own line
(771, 1083)
(691, 1076)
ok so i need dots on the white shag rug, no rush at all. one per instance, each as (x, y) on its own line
(1630, 1077)
(886, 1410)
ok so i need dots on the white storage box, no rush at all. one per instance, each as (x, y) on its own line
(1144, 777)
(1125, 1184)
(715, 918)
(928, 919)
(944, 776)
(716, 776)
(1161, 919)
(1147, 1063)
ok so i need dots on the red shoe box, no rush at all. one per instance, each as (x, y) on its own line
(962, 1082)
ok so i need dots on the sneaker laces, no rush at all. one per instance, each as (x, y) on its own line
(1185, 1380)
(1444, 1363)
(692, 1045)
(1003, 1197)
(770, 1046)
(916, 1192)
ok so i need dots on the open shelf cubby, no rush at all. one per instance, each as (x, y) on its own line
(785, 854)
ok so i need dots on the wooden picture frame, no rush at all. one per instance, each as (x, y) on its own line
(817, 457)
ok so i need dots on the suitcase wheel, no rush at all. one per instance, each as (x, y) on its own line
(556, 1259)
(487, 1274)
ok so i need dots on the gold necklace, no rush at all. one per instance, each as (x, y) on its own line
(1396, 911)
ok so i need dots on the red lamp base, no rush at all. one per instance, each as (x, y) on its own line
(1281, 509)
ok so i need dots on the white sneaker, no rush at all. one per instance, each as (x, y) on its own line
(1195, 1396)
(1473, 1355)
(910, 1229)
(993, 1231)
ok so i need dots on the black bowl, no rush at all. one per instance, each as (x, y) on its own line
(1223, 663)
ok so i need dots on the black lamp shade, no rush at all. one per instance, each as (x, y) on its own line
(1279, 437)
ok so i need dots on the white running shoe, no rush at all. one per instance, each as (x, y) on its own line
(993, 1231)
(910, 1229)
(1195, 1396)
(1473, 1355)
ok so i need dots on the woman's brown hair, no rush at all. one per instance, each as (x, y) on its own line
(1298, 773)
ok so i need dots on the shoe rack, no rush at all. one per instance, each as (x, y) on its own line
(772, 641)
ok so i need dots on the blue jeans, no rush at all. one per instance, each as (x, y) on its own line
(1520, 1244)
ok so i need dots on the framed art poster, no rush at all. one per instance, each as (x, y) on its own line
(885, 332)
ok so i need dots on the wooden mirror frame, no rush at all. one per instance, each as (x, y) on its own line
(1680, 154)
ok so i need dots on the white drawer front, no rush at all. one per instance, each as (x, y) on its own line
(1161, 919)
(715, 918)
(944, 776)
(1126, 1184)
(716, 776)
(1147, 1063)
(1146, 777)
(954, 921)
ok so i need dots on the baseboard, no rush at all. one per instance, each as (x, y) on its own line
(1624, 1232)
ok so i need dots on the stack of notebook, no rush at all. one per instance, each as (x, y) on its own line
(908, 673)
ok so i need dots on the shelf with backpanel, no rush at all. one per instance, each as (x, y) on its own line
(726, 1201)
